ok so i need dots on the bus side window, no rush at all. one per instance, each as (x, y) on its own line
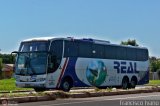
(71, 49)
(98, 51)
(55, 57)
(53, 63)
(85, 49)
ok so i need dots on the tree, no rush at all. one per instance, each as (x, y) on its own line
(1, 65)
(7, 58)
(129, 42)
(154, 64)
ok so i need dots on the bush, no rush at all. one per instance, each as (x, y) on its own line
(158, 72)
(1, 76)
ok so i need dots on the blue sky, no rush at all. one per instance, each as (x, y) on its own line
(113, 20)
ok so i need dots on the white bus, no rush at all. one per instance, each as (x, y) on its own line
(63, 63)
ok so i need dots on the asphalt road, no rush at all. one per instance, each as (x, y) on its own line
(146, 99)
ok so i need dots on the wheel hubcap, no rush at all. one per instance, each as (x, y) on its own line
(66, 85)
(125, 84)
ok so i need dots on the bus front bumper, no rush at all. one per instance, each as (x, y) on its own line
(31, 84)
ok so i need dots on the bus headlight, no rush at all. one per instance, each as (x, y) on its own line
(17, 78)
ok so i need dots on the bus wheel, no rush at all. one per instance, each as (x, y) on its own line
(125, 83)
(133, 82)
(66, 85)
(39, 89)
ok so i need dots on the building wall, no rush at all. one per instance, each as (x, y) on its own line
(154, 76)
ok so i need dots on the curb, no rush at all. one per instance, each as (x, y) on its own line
(17, 91)
(28, 99)
(59, 94)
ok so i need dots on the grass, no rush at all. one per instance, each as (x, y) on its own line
(154, 83)
(9, 85)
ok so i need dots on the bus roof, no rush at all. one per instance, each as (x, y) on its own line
(38, 39)
(96, 41)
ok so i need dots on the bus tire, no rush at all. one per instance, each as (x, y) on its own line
(133, 82)
(125, 83)
(66, 84)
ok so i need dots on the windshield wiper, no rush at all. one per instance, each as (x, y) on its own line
(30, 66)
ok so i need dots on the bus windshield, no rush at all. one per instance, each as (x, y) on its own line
(31, 63)
(34, 46)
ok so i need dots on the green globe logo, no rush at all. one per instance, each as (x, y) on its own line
(96, 73)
